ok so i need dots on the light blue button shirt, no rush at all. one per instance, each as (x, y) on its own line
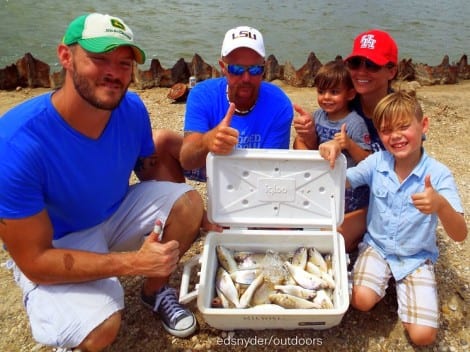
(403, 235)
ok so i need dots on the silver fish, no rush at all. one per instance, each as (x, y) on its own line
(296, 290)
(315, 257)
(223, 300)
(244, 276)
(300, 257)
(323, 300)
(288, 301)
(261, 295)
(313, 269)
(245, 299)
(226, 259)
(304, 278)
(224, 284)
(248, 260)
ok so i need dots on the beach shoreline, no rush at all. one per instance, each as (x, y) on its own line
(447, 106)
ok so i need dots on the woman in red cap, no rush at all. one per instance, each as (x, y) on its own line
(372, 65)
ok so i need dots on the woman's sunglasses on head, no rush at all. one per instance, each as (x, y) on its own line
(355, 63)
(238, 70)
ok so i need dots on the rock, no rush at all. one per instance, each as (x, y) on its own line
(463, 69)
(32, 72)
(9, 77)
(406, 70)
(178, 92)
(200, 69)
(272, 69)
(306, 74)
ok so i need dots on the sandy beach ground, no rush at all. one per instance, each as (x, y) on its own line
(379, 330)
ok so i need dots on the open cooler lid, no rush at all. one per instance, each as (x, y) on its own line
(275, 188)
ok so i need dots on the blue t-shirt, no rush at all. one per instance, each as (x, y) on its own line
(46, 164)
(356, 129)
(266, 126)
(402, 234)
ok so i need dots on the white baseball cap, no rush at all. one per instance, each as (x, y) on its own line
(243, 37)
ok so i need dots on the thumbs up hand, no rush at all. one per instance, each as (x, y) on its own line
(428, 201)
(222, 138)
(342, 138)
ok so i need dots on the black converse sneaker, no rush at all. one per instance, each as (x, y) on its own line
(176, 319)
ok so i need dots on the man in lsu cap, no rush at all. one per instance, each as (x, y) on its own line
(238, 110)
(68, 217)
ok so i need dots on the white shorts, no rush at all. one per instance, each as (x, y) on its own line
(63, 315)
(416, 293)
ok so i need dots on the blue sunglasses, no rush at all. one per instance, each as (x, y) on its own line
(238, 70)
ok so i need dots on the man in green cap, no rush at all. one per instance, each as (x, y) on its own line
(68, 217)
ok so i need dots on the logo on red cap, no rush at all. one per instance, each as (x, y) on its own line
(368, 41)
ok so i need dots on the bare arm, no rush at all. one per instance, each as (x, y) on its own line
(29, 242)
(356, 152)
(220, 140)
(429, 201)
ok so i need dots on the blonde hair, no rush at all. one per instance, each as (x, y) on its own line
(395, 110)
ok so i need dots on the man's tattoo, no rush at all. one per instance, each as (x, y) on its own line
(68, 261)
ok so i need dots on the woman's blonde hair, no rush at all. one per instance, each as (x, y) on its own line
(395, 110)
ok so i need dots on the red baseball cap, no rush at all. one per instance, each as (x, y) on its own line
(377, 46)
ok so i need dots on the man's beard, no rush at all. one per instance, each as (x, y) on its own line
(86, 91)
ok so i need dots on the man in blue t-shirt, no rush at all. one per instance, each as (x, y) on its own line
(68, 217)
(239, 110)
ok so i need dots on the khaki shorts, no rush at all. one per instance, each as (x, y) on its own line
(416, 293)
(63, 315)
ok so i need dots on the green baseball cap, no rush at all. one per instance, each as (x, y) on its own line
(98, 33)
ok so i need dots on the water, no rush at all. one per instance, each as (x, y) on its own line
(425, 30)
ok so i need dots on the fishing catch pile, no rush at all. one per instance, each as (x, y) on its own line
(299, 280)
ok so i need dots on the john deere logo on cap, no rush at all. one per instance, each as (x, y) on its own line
(116, 23)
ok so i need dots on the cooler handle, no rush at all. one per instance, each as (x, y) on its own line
(185, 296)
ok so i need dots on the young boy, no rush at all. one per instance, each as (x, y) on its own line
(410, 192)
(335, 120)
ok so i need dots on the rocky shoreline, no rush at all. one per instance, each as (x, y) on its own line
(30, 72)
(448, 108)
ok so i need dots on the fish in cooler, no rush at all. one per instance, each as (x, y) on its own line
(300, 279)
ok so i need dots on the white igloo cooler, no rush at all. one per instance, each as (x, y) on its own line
(276, 200)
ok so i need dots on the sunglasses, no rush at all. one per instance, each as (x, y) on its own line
(355, 63)
(238, 70)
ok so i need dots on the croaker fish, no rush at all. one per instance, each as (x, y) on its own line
(323, 300)
(300, 257)
(261, 295)
(304, 278)
(226, 259)
(292, 302)
(296, 290)
(315, 257)
(313, 269)
(245, 299)
(225, 284)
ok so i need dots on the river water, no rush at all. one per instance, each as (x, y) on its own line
(425, 30)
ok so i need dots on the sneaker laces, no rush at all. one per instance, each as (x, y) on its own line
(168, 302)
